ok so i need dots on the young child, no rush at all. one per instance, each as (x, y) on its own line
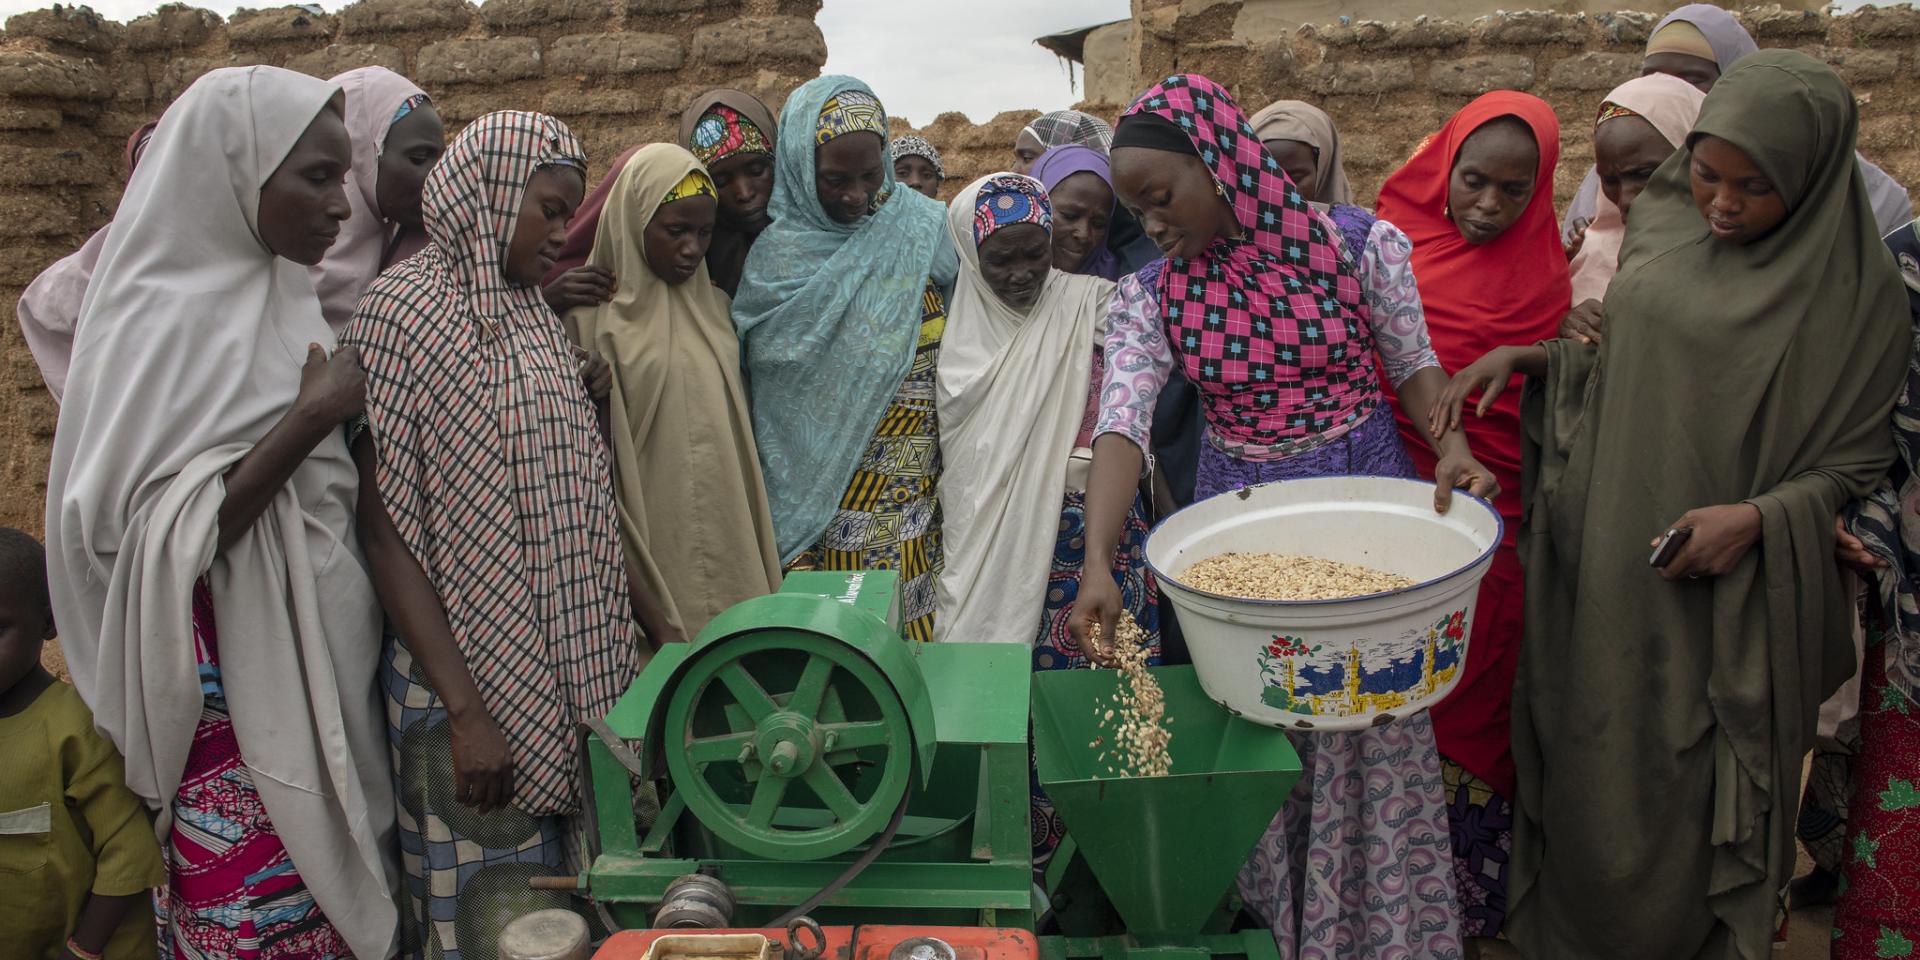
(77, 853)
(916, 163)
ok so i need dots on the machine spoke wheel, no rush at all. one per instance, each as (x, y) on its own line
(788, 721)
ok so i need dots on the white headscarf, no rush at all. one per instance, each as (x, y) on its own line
(374, 95)
(1012, 395)
(190, 347)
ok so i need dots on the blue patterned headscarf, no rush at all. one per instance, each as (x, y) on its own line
(829, 316)
(1006, 199)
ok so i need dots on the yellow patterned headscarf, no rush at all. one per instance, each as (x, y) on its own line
(850, 111)
(695, 184)
(1680, 36)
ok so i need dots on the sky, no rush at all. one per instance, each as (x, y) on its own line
(977, 57)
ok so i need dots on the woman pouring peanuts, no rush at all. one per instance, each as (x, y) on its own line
(1277, 324)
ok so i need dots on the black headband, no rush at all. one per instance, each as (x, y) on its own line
(1154, 132)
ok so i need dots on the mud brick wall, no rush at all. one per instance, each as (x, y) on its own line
(73, 86)
(1388, 84)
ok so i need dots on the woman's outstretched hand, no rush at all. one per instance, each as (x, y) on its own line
(1487, 376)
(1097, 606)
(1461, 472)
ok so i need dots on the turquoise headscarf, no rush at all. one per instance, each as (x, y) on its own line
(829, 317)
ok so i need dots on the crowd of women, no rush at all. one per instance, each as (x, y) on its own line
(384, 460)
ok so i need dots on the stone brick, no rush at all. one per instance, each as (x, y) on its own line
(1881, 137)
(1269, 60)
(29, 118)
(1869, 23)
(1772, 21)
(1626, 27)
(1422, 33)
(1533, 27)
(338, 58)
(654, 7)
(1351, 34)
(379, 17)
(596, 54)
(39, 419)
(1857, 66)
(458, 108)
(37, 220)
(1360, 78)
(1473, 76)
(25, 73)
(576, 103)
(73, 26)
(127, 78)
(178, 74)
(172, 27)
(255, 27)
(494, 60)
(47, 167)
(760, 41)
(1594, 71)
(514, 14)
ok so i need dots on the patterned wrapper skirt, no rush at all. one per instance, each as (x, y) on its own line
(232, 892)
(1055, 649)
(889, 516)
(1358, 862)
(1879, 910)
(465, 873)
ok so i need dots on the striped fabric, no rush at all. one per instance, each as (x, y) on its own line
(490, 462)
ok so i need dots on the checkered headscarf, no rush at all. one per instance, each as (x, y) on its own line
(472, 200)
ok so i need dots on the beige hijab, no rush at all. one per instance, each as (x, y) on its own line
(189, 349)
(693, 507)
(1671, 105)
(1302, 121)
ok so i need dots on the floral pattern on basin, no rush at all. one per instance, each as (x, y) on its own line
(1305, 678)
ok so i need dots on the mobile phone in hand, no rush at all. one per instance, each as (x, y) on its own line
(1669, 547)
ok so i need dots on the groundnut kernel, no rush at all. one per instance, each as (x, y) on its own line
(1275, 576)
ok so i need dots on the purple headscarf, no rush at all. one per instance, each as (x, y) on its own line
(1053, 168)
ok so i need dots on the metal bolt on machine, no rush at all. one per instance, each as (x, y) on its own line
(811, 763)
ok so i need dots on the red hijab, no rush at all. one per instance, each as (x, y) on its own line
(586, 221)
(1513, 290)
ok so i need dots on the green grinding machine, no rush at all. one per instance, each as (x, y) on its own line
(798, 746)
(812, 762)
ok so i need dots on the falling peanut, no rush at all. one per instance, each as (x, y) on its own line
(1141, 735)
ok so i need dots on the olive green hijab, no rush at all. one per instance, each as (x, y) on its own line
(1659, 727)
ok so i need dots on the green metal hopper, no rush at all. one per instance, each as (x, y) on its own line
(1164, 851)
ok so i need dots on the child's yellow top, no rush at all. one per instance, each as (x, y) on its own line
(68, 826)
